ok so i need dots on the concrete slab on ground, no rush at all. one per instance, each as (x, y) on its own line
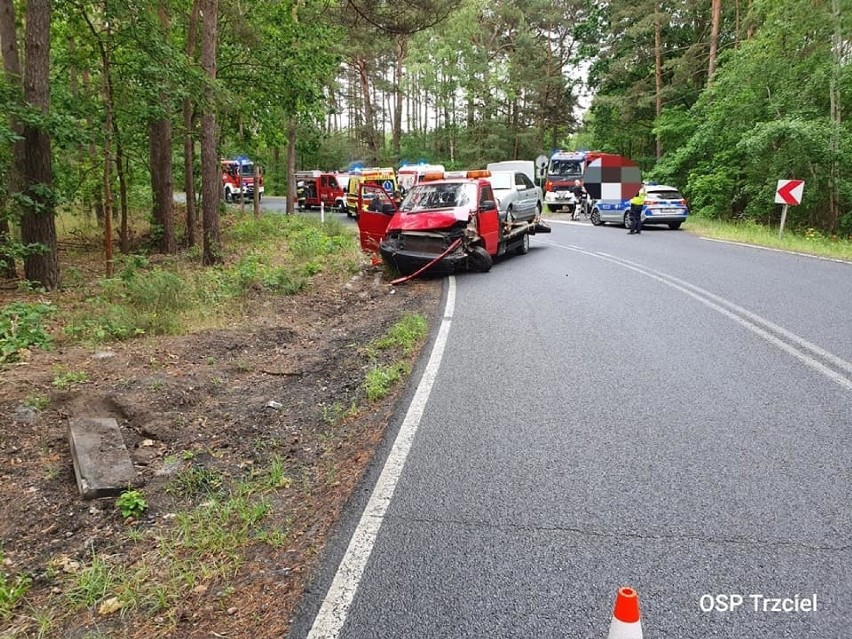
(102, 464)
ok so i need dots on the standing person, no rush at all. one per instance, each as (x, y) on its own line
(636, 204)
(580, 194)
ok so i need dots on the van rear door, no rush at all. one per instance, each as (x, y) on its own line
(375, 210)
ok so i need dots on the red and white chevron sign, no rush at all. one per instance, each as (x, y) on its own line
(789, 191)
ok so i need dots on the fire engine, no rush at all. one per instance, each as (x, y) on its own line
(319, 188)
(238, 179)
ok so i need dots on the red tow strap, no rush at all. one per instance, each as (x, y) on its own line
(449, 250)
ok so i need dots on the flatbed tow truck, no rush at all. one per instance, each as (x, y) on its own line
(447, 222)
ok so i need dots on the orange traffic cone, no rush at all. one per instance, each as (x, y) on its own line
(625, 617)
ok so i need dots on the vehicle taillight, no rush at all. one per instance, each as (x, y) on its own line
(548, 185)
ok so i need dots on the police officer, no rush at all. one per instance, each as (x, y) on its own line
(636, 204)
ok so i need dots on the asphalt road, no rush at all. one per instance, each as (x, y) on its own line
(658, 411)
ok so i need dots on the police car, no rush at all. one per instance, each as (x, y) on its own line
(663, 205)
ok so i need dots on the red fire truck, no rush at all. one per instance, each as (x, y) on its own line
(238, 179)
(319, 188)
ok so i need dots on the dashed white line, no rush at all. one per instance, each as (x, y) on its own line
(335, 607)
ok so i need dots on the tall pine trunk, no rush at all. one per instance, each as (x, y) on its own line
(210, 171)
(160, 154)
(714, 38)
(189, 137)
(38, 225)
(12, 71)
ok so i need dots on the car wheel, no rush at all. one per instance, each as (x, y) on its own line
(479, 260)
(674, 226)
(510, 215)
(229, 198)
(595, 217)
(627, 220)
(524, 248)
(538, 209)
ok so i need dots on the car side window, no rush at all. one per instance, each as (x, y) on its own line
(527, 183)
(519, 180)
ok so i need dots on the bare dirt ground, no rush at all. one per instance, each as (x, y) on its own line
(194, 408)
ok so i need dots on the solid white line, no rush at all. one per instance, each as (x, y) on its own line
(777, 250)
(833, 375)
(335, 607)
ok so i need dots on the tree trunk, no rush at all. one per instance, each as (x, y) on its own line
(160, 154)
(107, 155)
(189, 138)
(369, 116)
(38, 225)
(124, 234)
(714, 38)
(658, 68)
(210, 170)
(291, 165)
(12, 69)
(835, 115)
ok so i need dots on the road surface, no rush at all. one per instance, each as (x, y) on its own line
(658, 411)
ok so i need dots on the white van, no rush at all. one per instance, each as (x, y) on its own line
(524, 166)
(411, 174)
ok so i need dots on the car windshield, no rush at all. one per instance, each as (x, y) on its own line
(669, 194)
(440, 195)
(501, 180)
(564, 168)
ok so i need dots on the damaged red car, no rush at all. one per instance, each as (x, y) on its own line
(446, 223)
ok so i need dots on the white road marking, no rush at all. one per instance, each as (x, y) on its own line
(748, 319)
(777, 250)
(335, 607)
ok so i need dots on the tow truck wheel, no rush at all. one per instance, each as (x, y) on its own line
(524, 248)
(229, 197)
(595, 217)
(480, 260)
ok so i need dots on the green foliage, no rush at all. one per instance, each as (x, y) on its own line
(380, 379)
(405, 334)
(131, 503)
(22, 327)
(13, 588)
(195, 480)
(36, 401)
(64, 379)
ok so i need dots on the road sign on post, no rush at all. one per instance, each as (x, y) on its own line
(788, 192)
(541, 163)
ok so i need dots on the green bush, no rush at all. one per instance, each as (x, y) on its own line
(22, 327)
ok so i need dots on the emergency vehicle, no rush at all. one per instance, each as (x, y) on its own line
(446, 222)
(411, 174)
(385, 178)
(318, 188)
(238, 179)
(564, 168)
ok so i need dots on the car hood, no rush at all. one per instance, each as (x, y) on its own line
(428, 220)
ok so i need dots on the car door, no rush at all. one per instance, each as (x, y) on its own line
(375, 209)
(525, 204)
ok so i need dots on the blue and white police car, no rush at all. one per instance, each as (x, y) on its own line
(663, 205)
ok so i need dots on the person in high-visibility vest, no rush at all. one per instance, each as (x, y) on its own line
(636, 204)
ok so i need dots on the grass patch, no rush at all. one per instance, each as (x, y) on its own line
(381, 379)
(811, 241)
(22, 326)
(405, 335)
(270, 255)
(13, 588)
